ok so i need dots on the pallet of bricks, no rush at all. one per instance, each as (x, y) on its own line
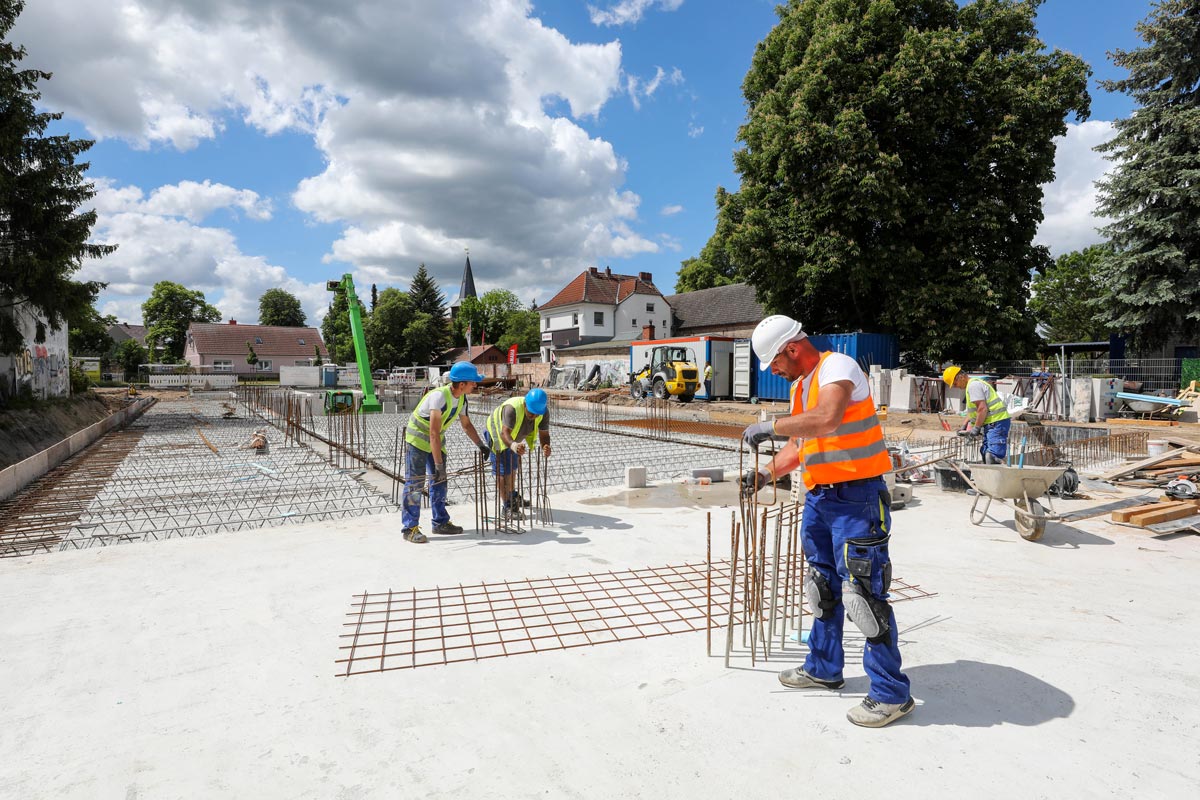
(1175, 475)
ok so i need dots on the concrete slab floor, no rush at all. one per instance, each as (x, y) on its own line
(205, 668)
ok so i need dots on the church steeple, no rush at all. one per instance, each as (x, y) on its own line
(467, 289)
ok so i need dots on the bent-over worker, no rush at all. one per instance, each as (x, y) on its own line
(511, 429)
(987, 416)
(835, 438)
(425, 449)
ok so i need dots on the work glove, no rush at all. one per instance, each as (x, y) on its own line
(971, 433)
(760, 432)
(439, 473)
(484, 450)
(753, 480)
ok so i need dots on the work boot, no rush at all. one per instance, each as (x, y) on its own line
(874, 714)
(517, 501)
(414, 535)
(797, 678)
(448, 529)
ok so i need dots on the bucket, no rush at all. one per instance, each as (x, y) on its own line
(1155, 447)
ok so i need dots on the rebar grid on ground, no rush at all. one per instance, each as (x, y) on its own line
(196, 469)
(1047, 445)
(37, 519)
(425, 627)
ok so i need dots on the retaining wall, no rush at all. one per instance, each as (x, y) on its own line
(15, 478)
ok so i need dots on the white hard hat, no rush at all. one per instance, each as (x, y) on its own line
(771, 335)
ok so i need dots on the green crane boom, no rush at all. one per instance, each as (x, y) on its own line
(346, 286)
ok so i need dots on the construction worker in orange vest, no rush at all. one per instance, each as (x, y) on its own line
(835, 438)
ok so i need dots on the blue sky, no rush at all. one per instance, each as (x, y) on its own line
(246, 144)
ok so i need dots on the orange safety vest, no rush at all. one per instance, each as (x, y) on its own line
(855, 450)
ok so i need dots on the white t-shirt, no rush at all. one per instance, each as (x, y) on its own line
(840, 367)
(976, 391)
(435, 401)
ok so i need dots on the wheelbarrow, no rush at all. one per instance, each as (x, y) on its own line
(1027, 487)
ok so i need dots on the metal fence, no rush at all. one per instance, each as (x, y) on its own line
(1154, 374)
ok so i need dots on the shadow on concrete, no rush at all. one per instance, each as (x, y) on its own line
(1062, 536)
(577, 522)
(973, 694)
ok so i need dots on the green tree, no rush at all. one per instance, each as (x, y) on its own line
(891, 169)
(496, 307)
(374, 297)
(384, 329)
(317, 356)
(424, 338)
(335, 330)
(471, 318)
(1152, 275)
(130, 355)
(251, 356)
(281, 308)
(1062, 301)
(713, 267)
(169, 311)
(43, 237)
(522, 329)
(427, 298)
(88, 334)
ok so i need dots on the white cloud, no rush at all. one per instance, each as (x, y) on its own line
(158, 240)
(1069, 202)
(628, 12)
(670, 211)
(637, 88)
(437, 122)
(694, 130)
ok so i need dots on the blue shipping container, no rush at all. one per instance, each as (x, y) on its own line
(865, 348)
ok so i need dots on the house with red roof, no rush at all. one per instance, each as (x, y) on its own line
(602, 306)
(216, 347)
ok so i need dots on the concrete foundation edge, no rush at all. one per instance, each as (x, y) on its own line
(15, 478)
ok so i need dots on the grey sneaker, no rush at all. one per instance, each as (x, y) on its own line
(448, 529)
(797, 678)
(414, 535)
(873, 714)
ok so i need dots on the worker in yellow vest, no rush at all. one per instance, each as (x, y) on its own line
(987, 416)
(511, 429)
(425, 450)
(834, 437)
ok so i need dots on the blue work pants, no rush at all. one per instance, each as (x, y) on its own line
(419, 468)
(832, 516)
(995, 440)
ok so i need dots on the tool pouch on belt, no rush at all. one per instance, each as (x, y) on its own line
(868, 561)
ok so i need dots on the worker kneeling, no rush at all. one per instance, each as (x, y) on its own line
(425, 449)
(511, 429)
(847, 518)
(987, 416)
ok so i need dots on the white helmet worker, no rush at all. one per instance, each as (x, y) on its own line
(771, 335)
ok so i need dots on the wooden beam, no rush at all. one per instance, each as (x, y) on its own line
(1155, 423)
(1143, 464)
(1123, 515)
(1167, 513)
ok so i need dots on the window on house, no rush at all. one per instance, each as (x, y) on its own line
(650, 307)
(574, 319)
(301, 341)
(664, 325)
(633, 322)
(263, 366)
(258, 340)
(222, 365)
(304, 363)
(547, 323)
(598, 318)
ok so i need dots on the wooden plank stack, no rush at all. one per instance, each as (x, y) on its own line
(1157, 513)
(1158, 471)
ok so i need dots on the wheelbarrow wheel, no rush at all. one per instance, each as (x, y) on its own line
(1031, 521)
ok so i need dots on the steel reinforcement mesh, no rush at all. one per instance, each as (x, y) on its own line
(425, 627)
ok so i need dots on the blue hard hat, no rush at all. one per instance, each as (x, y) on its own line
(535, 402)
(465, 371)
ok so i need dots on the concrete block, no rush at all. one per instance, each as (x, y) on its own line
(635, 477)
(714, 474)
(904, 393)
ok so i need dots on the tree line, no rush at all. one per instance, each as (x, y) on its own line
(891, 166)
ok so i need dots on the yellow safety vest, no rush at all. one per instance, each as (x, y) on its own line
(996, 408)
(496, 421)
(418, 427)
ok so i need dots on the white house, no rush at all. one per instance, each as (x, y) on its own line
(600, 307)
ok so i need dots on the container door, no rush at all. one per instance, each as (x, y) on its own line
(741, 370)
